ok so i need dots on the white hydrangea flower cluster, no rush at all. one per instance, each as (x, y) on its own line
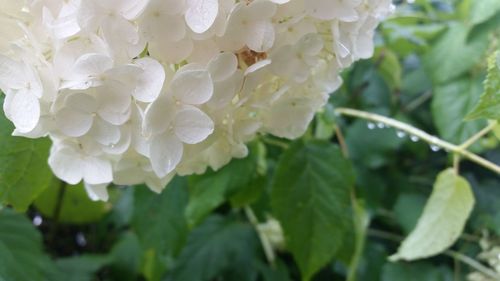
(136, 91)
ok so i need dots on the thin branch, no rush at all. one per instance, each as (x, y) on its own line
(266, 244)
(479, 135)
(433, 140)
(473, 263)
(341, 139)
(57, 210)
(456, 163)
(385, 235)
(414, 104)
(453, 254)
(275, 142)
(361, 222)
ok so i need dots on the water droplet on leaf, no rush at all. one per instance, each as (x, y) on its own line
(81, 240)
(37, 220)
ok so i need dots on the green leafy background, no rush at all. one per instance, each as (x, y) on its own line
(345, 202)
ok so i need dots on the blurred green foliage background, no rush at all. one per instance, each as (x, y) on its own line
(342, 218)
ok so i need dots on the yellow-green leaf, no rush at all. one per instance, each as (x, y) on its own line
(442, 221)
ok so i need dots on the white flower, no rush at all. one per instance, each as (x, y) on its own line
(138, 91)
(74, 162)
(344, 10)
(296, 61)
(201, 14)
(174, 119)
(250, 25)
(22, 88)
(97, 192)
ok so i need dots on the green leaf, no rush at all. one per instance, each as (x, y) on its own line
(373, 260)
(361, 223)
(489, 104)
(206, 193)
(159, 222)
(76, 207)
(218, 247)
(408, 209)
(250, 192)
(24, 171)
(325, 123)
(210, 190)
(375, 152)
(415, 272)
(122, 263)
(21, 256)
(126, 258)
(82, 268)
(311, 199)
(483, 10)
(443, 219)
(389, 67)
(453, 55)
(278, 272)
(450, 105)
(486, 214)
(496, 131)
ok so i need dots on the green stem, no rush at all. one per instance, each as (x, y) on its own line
(453, 254)
(418, 101)
(479, 135)
(57, 210)
(275, 142)
(342, 143)
(266, 244)
(473, 264)
(433, 140)
(361, 222)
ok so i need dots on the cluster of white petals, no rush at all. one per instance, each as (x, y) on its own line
(137, 91)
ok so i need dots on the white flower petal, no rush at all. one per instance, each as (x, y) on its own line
(73, 123)
(225, 91)
(114, 103)
(123, 143)
(150, 82)
(165, 154)
(333, 9)
(223, 66)
(158, 116)
(158, 184)
(11, 74)
(192, 125)
(97, 192)
(97, 171)
(82, 102)
(66, 165)
(171, 52)
(92, 64)
(192, 86)
(260, 37)
(104, 133)
(23, 109)
(261, 10)
(201, 14)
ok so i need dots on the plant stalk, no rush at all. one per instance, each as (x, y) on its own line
(266, 244)
(433, 140)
